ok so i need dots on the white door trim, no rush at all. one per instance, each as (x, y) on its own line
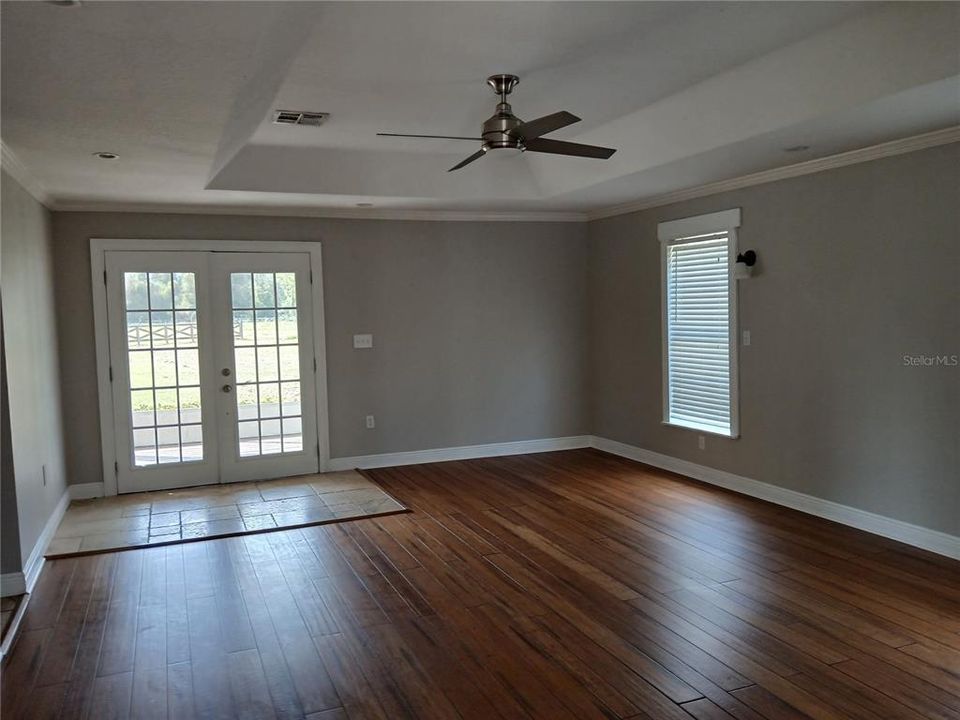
(98, 248)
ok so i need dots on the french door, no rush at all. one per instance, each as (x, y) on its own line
(212, 363)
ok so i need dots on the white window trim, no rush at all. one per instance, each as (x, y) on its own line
(667, 233)
(98, 250)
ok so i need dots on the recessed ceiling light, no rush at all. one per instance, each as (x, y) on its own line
(364, 204)
(106, 155)
(796, 148)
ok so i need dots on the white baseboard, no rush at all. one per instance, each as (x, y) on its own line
(34, 563)
(14, 628)
(12, 584)
(85, 491)
(921, 537)
(464, 452)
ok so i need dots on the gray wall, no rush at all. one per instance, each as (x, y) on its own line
(479, 328)
(858, 267)
(9, 527)
(32, 372)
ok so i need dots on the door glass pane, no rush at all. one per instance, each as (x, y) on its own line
(186, 328)
(247, 402)
(286, 290)
(188, 367)
(245, 360)
(269, 400)
(263, 292)
(141, 404)
(135, 289)
(161, 329)
(267, 366)
(184, 291)
(168, 444)
(168, 407)
(266, 327)
(289, 362)
(164, 382)
(138, 328)
(292, 437)
(191, 442)
(287, 326)
(189, 405)
(241, 290)
(290, 398)
(249, 435)
(243, 327)
(141, 369)
(164, 368)
(270, 438)
(266, 350)
(145, 447)
(161, 291)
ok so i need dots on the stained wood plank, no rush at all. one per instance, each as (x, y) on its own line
(180, 691)
(211, 683)
(249, 686)
(111, 697)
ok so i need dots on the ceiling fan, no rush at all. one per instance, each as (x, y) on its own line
(504, 130)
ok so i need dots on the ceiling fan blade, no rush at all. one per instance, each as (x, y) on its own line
(546, 124)
(476, 156)
(559, 147)
(432, 137)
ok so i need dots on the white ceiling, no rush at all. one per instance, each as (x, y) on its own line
(688, 92)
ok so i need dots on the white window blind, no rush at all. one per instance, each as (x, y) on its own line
(699, 381)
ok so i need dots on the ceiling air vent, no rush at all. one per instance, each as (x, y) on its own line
(296, 117)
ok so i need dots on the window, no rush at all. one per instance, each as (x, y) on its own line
(699, 323)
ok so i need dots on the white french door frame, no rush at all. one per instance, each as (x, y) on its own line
(105, 385)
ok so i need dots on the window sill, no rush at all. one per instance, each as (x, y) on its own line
(703, 431)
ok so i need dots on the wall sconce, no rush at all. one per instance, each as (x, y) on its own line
(743, 267)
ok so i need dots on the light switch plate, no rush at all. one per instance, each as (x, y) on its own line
(363, 341)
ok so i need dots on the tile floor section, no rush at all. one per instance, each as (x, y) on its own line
(8, 608)
(164, 517)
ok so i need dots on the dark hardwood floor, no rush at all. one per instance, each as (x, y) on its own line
(570, 585)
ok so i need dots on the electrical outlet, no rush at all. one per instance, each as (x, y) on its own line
(702, 442)
(363, 341)
(746, 337)
(371, 422)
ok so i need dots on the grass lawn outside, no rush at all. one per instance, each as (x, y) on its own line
(171, 363)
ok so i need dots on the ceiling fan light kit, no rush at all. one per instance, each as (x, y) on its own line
(504, 130)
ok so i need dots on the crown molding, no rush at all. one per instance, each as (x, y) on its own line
(830, 162)
(19, 172)
(320, 212)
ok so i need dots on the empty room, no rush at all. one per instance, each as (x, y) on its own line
(480, 360)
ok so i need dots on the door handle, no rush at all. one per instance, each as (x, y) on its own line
(227, 388)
